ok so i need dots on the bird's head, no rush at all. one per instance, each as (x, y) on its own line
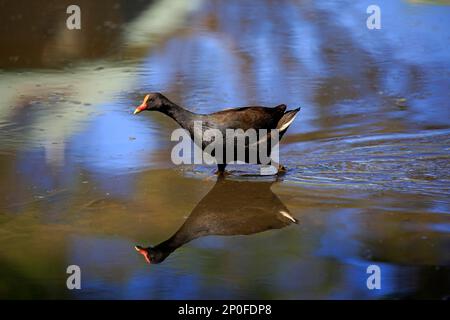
(152, 255)
(152, 101)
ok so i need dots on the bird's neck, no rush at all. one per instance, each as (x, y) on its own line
(182, 116)
(168, 246)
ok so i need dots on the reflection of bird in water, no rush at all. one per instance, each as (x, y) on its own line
(232, 207)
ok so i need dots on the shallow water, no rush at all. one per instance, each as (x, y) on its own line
(368, 171)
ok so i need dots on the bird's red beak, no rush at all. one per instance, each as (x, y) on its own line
(140, 109)
(143, 106)
(144, 252)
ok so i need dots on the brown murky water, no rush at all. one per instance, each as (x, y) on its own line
(83, 181)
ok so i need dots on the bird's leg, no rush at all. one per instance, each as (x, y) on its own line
(221, 169)
(220, 173)
(278, 166)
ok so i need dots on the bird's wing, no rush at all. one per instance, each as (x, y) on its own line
(247, 117)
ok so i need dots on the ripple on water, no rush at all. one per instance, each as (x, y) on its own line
(416, 163)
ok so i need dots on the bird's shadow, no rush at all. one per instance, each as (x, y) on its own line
(231, 207)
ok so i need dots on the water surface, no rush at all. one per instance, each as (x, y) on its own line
(368, 172)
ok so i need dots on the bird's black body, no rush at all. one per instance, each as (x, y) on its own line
(245, 118)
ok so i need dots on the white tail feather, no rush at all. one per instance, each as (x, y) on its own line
(287, 124)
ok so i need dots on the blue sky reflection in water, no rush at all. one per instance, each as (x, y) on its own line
(83, 180)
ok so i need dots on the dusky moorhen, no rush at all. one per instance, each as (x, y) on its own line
(253, 117)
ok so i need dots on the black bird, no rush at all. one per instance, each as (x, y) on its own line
(251, 207)
(245, 118)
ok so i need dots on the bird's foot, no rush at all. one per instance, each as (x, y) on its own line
(222, 173)
(281, 169)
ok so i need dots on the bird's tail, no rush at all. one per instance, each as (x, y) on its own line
(287, 119)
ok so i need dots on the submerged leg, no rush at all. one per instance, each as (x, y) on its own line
(221, 169)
